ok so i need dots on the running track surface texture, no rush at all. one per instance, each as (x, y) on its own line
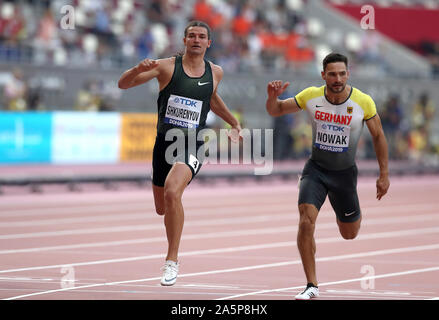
(239, 243)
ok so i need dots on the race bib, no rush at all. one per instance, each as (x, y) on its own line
(332, 137)
(183, 112)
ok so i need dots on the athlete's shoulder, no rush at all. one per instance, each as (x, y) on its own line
(165, 68)
(312, 92)
(166, 65)
(307, 94)
(365, 101)
(316, 90)
(167, 61)
(360, 96)
(216, 69)
(217, 74)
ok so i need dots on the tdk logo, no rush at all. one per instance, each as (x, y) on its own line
(333, 127)
(185, 102)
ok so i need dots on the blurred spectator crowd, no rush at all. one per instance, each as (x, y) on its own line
(18, 95)
(248, 35)
(428, 4)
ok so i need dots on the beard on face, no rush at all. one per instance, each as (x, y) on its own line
(337, 87)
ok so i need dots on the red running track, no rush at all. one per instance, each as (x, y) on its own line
(238, 243)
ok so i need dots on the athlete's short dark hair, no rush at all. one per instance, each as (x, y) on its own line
(197, 23)
(334, 57)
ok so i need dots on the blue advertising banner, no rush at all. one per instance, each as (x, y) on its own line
(25, 137)
(85, 137)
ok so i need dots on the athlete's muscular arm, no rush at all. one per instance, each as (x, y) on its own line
(145, 71)
(380, 146)
(276, 107)
(218, 106)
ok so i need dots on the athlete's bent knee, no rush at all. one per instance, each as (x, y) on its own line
(307, 219)
(349, 235)
(306, 227)
(171, 195)
(305, 223)
(349, 231)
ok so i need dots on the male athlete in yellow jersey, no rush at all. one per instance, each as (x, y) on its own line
(337, 112)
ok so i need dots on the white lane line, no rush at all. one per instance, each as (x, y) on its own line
(364, 278)
(145, 215)
(144, 212)
(378, 235)
(210, 235)
(103, 208)
(280, 216)
(237, 233)
(370, 292)
(263, 266)
(50, 222)
(122, 205)
(158, 239)
(155, 226)
(110, 199)
(72, 209)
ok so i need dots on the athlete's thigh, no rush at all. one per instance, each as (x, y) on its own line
(312, 189)
(343, 195)
(176, 180)
(192, 158)
(160, 165)
(178, 177)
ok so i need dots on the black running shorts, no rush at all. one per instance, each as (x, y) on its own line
(161, 166)
(340, 186)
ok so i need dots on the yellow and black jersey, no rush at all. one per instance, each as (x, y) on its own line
(336, 128)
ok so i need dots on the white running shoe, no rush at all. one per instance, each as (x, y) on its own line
(170, 272)
(310, 292)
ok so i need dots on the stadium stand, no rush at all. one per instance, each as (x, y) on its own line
(248, 35)
(46, 67)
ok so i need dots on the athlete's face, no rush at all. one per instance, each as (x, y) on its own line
(197, 40)
(336, 76)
